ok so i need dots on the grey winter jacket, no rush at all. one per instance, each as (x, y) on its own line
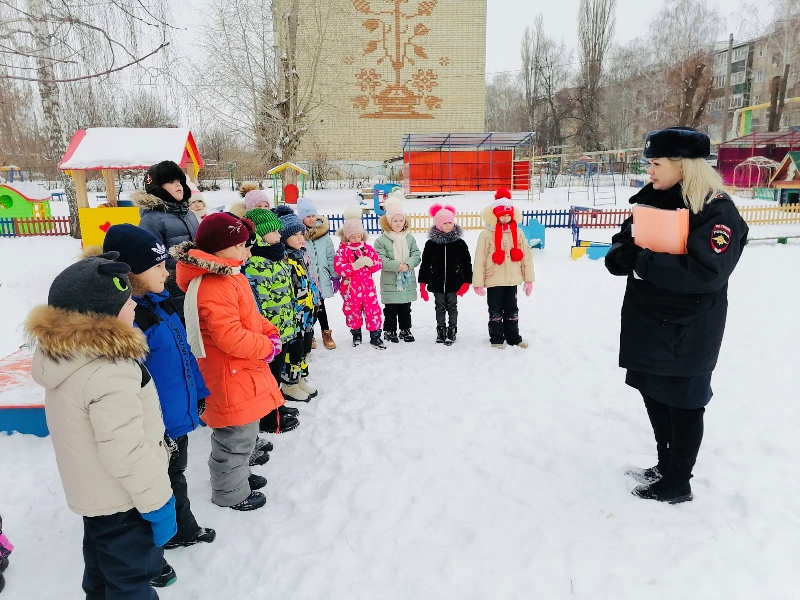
(172, 223)
(320, 250)
(390, 270)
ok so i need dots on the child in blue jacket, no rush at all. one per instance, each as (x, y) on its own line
(171, 363)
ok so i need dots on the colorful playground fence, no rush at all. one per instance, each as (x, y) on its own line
(25, 227)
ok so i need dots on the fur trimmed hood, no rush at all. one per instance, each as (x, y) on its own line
(491, 221)
(148, 201)
(238, 209)
(387, 228)
(437, 236)
(320, 229)
(193, 262)
(62, 334)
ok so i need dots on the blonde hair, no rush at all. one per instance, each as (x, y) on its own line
(700, 182)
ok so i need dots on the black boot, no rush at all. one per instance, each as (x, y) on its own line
(666, 489)
(390, 336)
(375, 340)
(405, 335)
(646, 476)
(356, 336)
(204, 534)
(451, 336)
(167, 577)
(441, 333)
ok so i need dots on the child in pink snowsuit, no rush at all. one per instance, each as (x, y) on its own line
(355, 263)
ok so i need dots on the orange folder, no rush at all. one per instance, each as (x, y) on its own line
(661, 230)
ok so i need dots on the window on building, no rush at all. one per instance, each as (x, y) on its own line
(761, 52)
(719, 81)
(759, 75)
(737, 101)
(737, 78)
(740, 53)
(755, 100)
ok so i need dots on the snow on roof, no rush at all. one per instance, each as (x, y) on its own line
(127, 148)
(28, 190)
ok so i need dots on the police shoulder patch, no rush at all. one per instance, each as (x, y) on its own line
(720, 238)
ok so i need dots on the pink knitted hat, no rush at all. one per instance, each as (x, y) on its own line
(352, 227)
(253, 197)
(442, 214)
(394, 208)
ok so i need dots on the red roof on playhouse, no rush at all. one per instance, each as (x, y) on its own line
(130, 148)
(32, 192)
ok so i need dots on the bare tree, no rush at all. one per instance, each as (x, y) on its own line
(143, 109)
(595, 29)
(53, 43)
(505, 104)
(530, 50)
(554, 74)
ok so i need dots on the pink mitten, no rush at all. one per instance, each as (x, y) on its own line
(479, 290)
(276, 348)
(528, 288)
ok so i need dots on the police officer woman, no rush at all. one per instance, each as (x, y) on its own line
(675, 305)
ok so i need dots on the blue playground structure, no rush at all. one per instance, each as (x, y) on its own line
(534, 233)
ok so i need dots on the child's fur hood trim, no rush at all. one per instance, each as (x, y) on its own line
(90, 251)
(61, 334)
(148, 201)
(437, 236)
(238, 209)
(386, 226)
(491, 221)
(190, 254)
(320, 229)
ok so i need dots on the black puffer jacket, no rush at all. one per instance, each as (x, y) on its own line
(446, 263)
(675, 306)
(171, 222)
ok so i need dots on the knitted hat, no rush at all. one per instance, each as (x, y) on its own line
(291, 224)
(265, 220)
(442, 214)
(352, 227)
(392, 209)
(137, 248)
(500, 206)
(305, 208)
(218, 231)
(674, 142)
(162, 173)
(98, 284)
(254, 197)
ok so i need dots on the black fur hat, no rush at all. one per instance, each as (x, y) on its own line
(162, 173)
(674, 142)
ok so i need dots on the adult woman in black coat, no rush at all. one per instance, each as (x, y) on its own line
(675, 306)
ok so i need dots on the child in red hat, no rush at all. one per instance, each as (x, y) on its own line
(502, 262)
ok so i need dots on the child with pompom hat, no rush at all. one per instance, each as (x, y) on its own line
(446, 270)
(502, 262)
(355, 263)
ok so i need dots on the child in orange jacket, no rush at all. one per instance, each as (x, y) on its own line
(233, 344)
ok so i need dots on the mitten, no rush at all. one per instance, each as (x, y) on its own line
(528, 288)
(423, 292)
(276, 347)
(463, 290)
(479, 290)
(163, 522)
(361, 262)
(335, 281)
(368, 261)
(621, 257)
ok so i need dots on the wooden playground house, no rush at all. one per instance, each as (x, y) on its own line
(786, 180)
(284, 190)
(437, 163)
(111, 149)
(24, 200)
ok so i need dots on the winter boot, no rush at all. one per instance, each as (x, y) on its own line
(441, 334)
(294, 393)
(204, 534)
(356, 336)
(313, 343)
(262, 444)
(307, 388)
(258, 458)
(645, 476)
(252, 502)
(666, 489)
(274, 422)
(451, 335)
(391, 336)
(256, 482)
(405, 335)
(375, 340)
(327, 339)
(167, 576)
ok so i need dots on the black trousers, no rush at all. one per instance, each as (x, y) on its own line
(503, 315)
(322, 316)
(187, 525)
(277, 364)
(397, 313)
(678, 433)
(120, 557)
(446, 305)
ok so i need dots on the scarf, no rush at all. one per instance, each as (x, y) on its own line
(399, 245)
(499, 254)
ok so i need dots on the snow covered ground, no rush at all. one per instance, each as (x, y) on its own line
(466, 472)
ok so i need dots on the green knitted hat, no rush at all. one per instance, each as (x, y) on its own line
(265, 220)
